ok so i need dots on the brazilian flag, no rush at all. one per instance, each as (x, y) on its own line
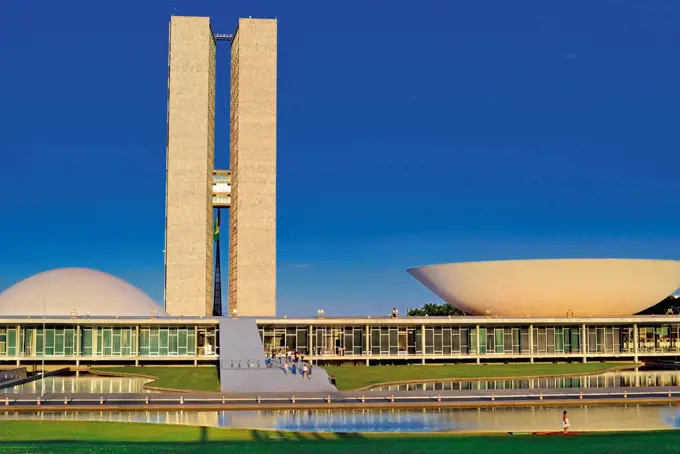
(216, 235)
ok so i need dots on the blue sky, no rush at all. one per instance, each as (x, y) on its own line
(410, 133)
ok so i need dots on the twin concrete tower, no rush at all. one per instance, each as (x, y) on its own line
(194, 188)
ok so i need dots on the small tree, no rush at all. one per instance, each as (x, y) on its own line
(670, 303)
(435, 310)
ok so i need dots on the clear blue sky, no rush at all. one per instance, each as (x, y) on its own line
(410, 133)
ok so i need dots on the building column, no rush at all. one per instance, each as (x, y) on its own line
(137, 346)
(20, 344)
(584, 342)
(137, 341)
(95, 332)
(195, 345)
(422, 340)
(531, 343)
(636, 345)
(312, 347)
(477, 344)
(367, 335)
(78, 346)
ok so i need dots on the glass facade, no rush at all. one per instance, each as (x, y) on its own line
(461, 340)
(557, 339)
(659, 339)
(108, 341)
(322, 339)
(409, 340)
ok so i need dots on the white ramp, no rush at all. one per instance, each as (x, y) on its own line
(243, 368)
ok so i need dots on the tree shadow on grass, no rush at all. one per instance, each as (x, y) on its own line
(350, 435)
(314, 436)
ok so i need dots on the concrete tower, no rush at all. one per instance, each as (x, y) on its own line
(194, 187)
(252, 217)
(189, 167)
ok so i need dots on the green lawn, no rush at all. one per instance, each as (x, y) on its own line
(353, 377)
(190, 378)
(105, 437)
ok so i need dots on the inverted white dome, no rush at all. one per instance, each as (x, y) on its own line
(76, 290)
(552, 288)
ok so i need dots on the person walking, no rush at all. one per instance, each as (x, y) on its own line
(565, 422)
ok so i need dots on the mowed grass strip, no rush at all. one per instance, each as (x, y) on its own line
(73, 437)
(354, 377)
(188, 378)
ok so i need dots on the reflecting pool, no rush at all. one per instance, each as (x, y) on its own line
(528, 419)
(83, 383)
(607, 380)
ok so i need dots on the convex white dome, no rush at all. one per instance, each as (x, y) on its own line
(78, 291)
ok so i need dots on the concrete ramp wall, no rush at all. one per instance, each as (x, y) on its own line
(243, 368)
(240, 340)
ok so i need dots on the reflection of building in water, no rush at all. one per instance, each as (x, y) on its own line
(536, 419)
(628, 379)
(160, 417)
(248, 419)
(84, 384)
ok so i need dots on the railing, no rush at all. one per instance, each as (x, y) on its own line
(485, 397)
(243, 364)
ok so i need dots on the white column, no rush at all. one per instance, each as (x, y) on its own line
(635, 342)
(477, 344)
(19, 344)
(78, 346)
(584, 342)
(367, 335)
(531, 343)
(423, 339)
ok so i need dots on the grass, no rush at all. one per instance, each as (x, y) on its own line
(107, 437)
(353, 377)
(189, 378)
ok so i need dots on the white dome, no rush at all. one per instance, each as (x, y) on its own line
(552, 288)
(76, 290)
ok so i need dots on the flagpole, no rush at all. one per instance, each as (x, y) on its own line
(44, 337)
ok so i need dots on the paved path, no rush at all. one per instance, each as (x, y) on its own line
(346, 399)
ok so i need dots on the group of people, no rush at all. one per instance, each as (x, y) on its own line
(295, 363)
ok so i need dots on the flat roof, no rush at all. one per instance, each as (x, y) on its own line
(350, 320)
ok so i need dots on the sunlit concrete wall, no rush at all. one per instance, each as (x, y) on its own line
(190, 162)
(252, 217)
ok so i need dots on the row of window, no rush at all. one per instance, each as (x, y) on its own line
(462, 340)
(108, 341)
(343, 340)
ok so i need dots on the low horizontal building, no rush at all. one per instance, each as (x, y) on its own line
(85, 340)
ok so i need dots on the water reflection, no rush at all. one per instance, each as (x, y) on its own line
(84, 384)
(530, 419)
(630, 379)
